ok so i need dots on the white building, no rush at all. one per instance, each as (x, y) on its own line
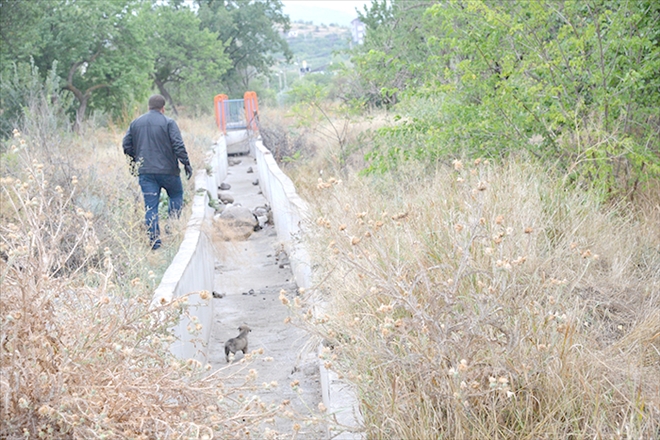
(357, 31)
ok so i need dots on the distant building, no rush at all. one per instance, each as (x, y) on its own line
(304, 69)
(357, 31)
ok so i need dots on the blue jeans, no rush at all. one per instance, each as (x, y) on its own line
(151, 185)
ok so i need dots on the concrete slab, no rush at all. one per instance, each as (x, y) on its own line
(237, 142)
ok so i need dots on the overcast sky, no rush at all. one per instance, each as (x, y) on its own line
(347, 6)
(338, 11)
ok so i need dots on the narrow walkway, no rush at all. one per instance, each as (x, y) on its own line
(249, 276)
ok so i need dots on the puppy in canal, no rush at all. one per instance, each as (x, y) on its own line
(239, 343)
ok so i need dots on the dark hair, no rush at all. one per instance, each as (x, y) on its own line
(156, 102)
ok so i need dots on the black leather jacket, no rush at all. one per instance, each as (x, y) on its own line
(154, 141)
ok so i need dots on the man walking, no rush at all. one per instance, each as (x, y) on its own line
(154, 144)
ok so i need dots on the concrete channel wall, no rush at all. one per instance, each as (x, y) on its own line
(289, 211)
(289, 214)
(192, 269)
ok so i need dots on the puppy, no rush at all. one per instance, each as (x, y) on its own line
(239, 343)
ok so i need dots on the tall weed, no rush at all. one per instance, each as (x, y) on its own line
(81, 353)
(488, 301)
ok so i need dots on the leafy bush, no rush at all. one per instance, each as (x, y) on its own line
(573, 83)
(24, 93)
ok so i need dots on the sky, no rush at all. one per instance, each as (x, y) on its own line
(347, 6)
(324, 11)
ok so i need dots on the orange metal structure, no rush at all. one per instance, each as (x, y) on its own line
(220, 116)
(251, 110)
(227, 114)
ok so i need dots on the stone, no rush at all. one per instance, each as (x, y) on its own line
(263, 215)
(238, 215)
(262, 219)
(235, 223)
(261, 210)
(225, 197)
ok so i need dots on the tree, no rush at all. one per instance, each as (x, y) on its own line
(251, 30)
(183, 52)
(100, 52)
(18, 31)
(574, 83)
(396, 51)
(577, 76)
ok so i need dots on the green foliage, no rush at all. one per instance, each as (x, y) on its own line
(109, 54)
(185, 55)
(574, 83)
(296, 156)
(17, 85)
(312, 88)
(100, 49)
(18, 31)
(30, 102)
(395, 50)
(251, 31)
(306, 97)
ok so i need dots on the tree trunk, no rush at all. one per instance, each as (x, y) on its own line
(163, 91)
(83, 100)
(80, 113)
(82, 105)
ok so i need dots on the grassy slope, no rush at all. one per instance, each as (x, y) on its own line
(469, 301)
(317, 45)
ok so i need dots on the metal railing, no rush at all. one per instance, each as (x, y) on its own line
(236, 114)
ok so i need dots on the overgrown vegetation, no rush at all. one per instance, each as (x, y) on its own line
(493, 270)
(573, 83)
(487, 301)
(81, 352)
(108, 55)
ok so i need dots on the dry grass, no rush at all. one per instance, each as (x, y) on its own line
(486, 301)
(281, 136)
(81, 355)
(304, 146)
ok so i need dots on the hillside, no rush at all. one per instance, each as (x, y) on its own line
(314, 12)
(318, 45)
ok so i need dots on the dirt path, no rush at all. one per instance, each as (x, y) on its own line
(249, 276)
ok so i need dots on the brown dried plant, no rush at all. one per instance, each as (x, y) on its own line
(81, 353)
(488, 301)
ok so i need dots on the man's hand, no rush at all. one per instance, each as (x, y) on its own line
(133, 166)
(189, 170)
